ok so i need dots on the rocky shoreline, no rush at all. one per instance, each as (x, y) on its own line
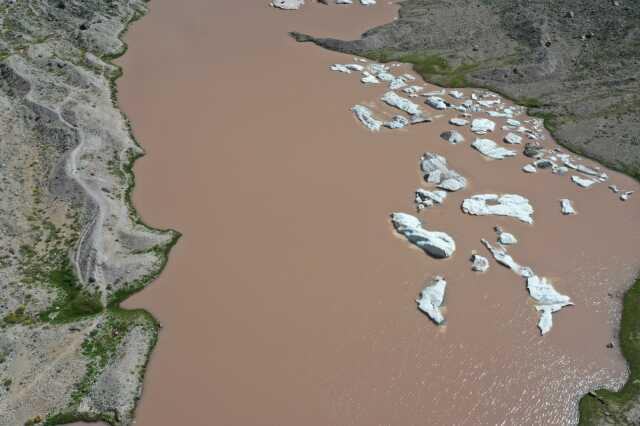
(574, 63)
(73, 246)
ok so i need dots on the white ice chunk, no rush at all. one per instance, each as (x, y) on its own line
(431, 299)
(394, 100)
(482, 126)
(511, 205)
(365, 116)
(435, 243)
(490, 149)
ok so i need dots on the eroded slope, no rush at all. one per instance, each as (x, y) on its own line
(71, 246)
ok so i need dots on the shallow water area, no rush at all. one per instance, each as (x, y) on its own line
(290, 299)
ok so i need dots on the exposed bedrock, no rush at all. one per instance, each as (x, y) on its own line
(576, 62)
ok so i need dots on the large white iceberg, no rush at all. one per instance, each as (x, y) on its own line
(431, 298)
(435, 243)
(490, 149)
(548, 301)
(511, 205)
(435, 170)
(482, 126)
(395, 100)
(365, 116)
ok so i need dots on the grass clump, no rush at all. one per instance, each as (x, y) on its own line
(601, 404)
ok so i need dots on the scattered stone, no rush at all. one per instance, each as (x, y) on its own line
(436, 244)
(548, 299)
(480, 263)
(482, 126)
(458, 121)
(533, 150)
(431, 299)
(453, 137)
(567, 207)
(610, 345)
(502, 257)
(513, 139)
(544, 163)
(436, 171)
(511, 205)
(365, 116)
(394, 100)
(582, 182)
(436, 102)
(490, 149)
(529, 168)
(397, 122)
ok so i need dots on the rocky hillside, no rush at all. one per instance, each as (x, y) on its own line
(574, 62)
(71, 247)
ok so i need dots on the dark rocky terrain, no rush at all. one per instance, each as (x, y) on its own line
(71, 246)
(575, 62)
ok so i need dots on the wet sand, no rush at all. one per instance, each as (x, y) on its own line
(290, 300)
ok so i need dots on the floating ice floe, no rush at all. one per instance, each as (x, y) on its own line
(505, 237)
(365, 116)
(397, 122)
(426, 198)
(367, 2)
(458, 121)
(482, 126)
(436, 102)
(369, 78)
(624, 196)
(567, 207)
(394, 100)
(435, 170)
(408, 77)
(288, 4)
(346, 68)
(511, 205)
(456, 94)
(513, 139)
(453, 137)
(582, 182)
(501, 256)
(479, 263)
(490, 149)
(436, 244)
(548, 301)
(431, 299)
(529, 168)
(385, 76)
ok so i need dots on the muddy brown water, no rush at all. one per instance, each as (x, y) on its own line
(290, 300)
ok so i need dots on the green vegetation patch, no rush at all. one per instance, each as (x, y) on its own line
(603, 404)
(431, 67)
